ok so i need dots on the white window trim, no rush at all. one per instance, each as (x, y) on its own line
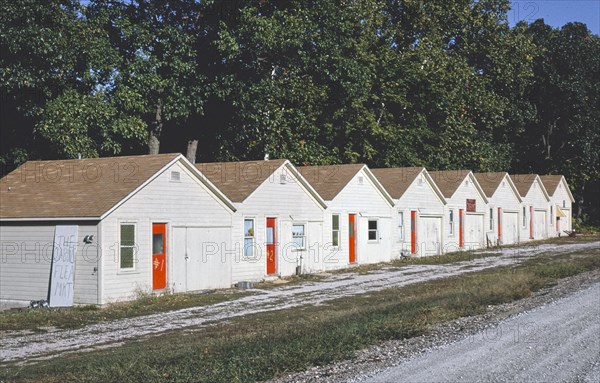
(376, 240)
(128, 270)
(491, 219)
(305, 236)
(245, 237)
(451, 222)
(339, 231)
(401, 225)
(524, 218)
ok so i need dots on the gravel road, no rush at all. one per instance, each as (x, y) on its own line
(559, 342)
(24, 347)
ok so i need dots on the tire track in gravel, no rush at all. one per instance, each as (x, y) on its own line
(15, 346)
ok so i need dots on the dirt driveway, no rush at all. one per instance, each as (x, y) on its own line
(16, 346)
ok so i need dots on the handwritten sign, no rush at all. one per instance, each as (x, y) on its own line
(62, 274)
(471, 205)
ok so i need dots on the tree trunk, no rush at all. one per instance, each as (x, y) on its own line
(192, 147)
(579, 215)
(155, 131)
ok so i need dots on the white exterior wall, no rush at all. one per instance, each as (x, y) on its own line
(504, 197)
(561, 199)
(466, 190)
(289, 203)
(186, 203)
(26, 258)
(368, 203)
(422, 198)
(535, 198)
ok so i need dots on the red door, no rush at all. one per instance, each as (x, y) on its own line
(159, 256)
(413, 232)
(500, 224)
(530, 222)
(271, 245)
(352, 237)
(461, 236)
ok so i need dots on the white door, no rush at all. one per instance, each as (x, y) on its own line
(200, 259)
(565, 222)
(429, 235)
(539, 224)
(474, 231)
(510, 228)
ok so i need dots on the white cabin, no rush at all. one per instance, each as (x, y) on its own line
(278, 225)
(418, 212)
(125, 217)
(466, 218)
(358, 221)
(504, 206)
(535, 208)
(561, 200)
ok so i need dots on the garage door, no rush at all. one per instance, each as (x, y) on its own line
(429, 236)
(474, 231)
(539, 224)
(510, 228)
(199, 260)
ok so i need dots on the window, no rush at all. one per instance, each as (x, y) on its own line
(299, 235)
(564, 204)
(248, 237)
(524, 217)
(175, 176)
(451, 221)
(335, 230)
(400, 225)
(127, 246)
(551, 214)
(373, 235)
(491, 219)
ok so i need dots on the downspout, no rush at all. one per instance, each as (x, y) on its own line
(99, 262)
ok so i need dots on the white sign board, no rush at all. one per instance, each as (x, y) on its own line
(62, 274)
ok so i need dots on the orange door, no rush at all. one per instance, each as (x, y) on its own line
(271, 245)
(352, 237)
(461, 236)
(413, 232)
(499, 224)
(159, 256)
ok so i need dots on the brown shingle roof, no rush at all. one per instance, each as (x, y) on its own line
(490, 181)
(396, 180)
(329, 180)
(84, 188)
(523, 182)
(551, 182)
(448, 180)
(237, 180)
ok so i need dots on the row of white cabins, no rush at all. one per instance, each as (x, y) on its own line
(95, 231)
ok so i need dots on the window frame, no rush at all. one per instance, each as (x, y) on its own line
(303, 236)
(400, 226)
(451, 222)
(524, 224)
(335, 231)
(491, 226)
(133, 246)
(252, 237)
(369, 230)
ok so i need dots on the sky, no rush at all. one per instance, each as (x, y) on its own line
(557, 12)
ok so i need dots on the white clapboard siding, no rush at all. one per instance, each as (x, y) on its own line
(288, 202)
(507, 200)
(562, 199)
(361, 197)
(26, 257)
(534, 200)
(420, 197)
(177, 203)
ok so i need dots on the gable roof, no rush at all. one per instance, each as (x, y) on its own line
(449, 180)
(397, 180)
(490, 182)
(551, 183)
(330, 180)
(84, 189)
(523, 183)
(238, 180)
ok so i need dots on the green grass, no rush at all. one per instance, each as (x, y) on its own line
(38, 320)
(261, 346)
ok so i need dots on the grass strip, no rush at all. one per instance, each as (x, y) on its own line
(265, 345)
